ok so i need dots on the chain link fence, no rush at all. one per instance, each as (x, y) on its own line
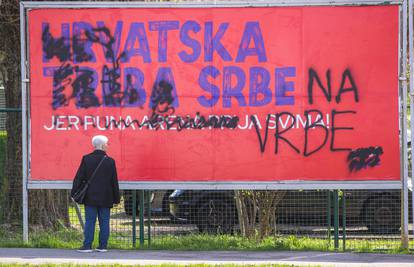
(366, 220)
(10, 182)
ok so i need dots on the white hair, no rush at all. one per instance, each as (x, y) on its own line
(98, 141)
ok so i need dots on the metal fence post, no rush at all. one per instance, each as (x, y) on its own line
(343, 220)
(336, 220)
(141, 218)
(149, 216)
(328, 216)
(134, 218)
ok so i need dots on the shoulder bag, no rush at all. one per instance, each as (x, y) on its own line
(80, 193)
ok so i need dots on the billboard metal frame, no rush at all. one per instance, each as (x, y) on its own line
(281, 185)
(206, 4)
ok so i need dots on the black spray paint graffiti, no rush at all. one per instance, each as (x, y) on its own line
(362, 158)
(317, 124)
(83, 89)
(156, 122)
(61, 78)
(347, 84)
(327, 89)
(357, 159)
(162, 98)
(59, 47)
(85, 82)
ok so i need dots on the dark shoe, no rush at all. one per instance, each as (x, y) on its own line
(85, 249)
(101, 249)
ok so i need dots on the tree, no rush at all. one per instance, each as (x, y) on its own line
(257, 212)
(46, 207)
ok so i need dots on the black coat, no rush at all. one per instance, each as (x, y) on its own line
(103, 190)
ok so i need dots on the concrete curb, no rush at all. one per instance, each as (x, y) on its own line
(146, 257)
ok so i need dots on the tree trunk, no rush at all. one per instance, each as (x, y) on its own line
(261, 205)
(46, 208)
(49, 208)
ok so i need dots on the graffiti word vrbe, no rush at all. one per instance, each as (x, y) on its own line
(280, 134)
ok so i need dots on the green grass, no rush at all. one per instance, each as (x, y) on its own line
(64, 238)
(72, 238)
(228, 242)
(161, 265)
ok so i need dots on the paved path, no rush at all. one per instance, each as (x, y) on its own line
(142, 257)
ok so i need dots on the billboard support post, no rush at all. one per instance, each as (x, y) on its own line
(410, 62)
(24, 79)
(403, 125)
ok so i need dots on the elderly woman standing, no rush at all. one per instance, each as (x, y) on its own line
(102, 194)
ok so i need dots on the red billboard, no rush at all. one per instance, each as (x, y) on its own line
(217, 94)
